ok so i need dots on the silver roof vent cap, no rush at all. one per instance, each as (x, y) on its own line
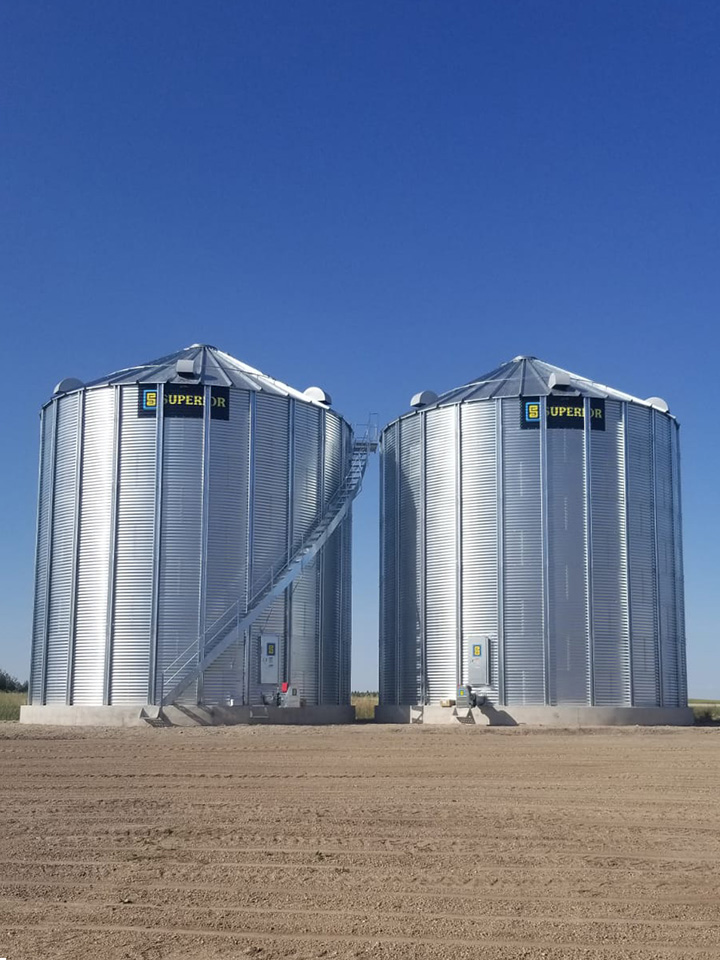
(186, 369)
(68, 385)
(659, 404)
(318, 395)
(559, 380)
(423, 399)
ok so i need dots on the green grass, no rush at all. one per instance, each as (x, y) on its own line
(364, 704)
(706, 711)
(10, 704)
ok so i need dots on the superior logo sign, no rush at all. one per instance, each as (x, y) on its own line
(561, 412)
(183, 401)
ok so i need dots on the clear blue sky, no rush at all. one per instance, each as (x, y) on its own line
(378, 196)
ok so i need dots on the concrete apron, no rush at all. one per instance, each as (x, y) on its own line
(491, 716)
(183, 715)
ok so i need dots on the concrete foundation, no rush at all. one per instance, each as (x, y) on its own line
(490, 715)
(183, 715)
(61, 715)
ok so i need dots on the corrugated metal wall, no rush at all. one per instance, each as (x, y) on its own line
(269, 536)
(480, 529)
(94, 539)
(133, 629)
(181, 513)
(567, 545)
(389, 562)
(137, 554)
(641, 556)
(63, 547)
(524, 560)
(679, 578)
(331, 653)
(567, 568)
(669, 668)
(226, 570)
(441, 551)
(305, 667)
(610, 623)
(410, 623)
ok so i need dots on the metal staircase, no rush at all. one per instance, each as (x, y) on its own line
(239, 617)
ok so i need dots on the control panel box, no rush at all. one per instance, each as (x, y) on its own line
(478, 673)
(269, 659)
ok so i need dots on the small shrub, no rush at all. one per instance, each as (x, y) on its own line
(10, 684)
(707, 713)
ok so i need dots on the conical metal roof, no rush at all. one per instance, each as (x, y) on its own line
(205, 364)
(528, 376)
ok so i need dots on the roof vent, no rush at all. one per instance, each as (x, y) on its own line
(318, 395)
(186, 368)
(423, 399)
(658, 403)
(559, 380)
(67, 385)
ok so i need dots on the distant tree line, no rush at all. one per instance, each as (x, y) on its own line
(10, 684)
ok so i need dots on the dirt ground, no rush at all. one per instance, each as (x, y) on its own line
(384, 842)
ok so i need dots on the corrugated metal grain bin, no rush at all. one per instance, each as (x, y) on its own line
(532, 517)
(170, 493)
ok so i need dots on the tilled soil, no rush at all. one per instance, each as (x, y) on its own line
(366, 841)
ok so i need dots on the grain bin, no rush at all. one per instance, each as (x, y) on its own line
(194, 544)
(531, 557)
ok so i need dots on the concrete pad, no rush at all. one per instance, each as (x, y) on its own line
(83, 716)
(183, 715)
(294, 716)
(540, 716)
